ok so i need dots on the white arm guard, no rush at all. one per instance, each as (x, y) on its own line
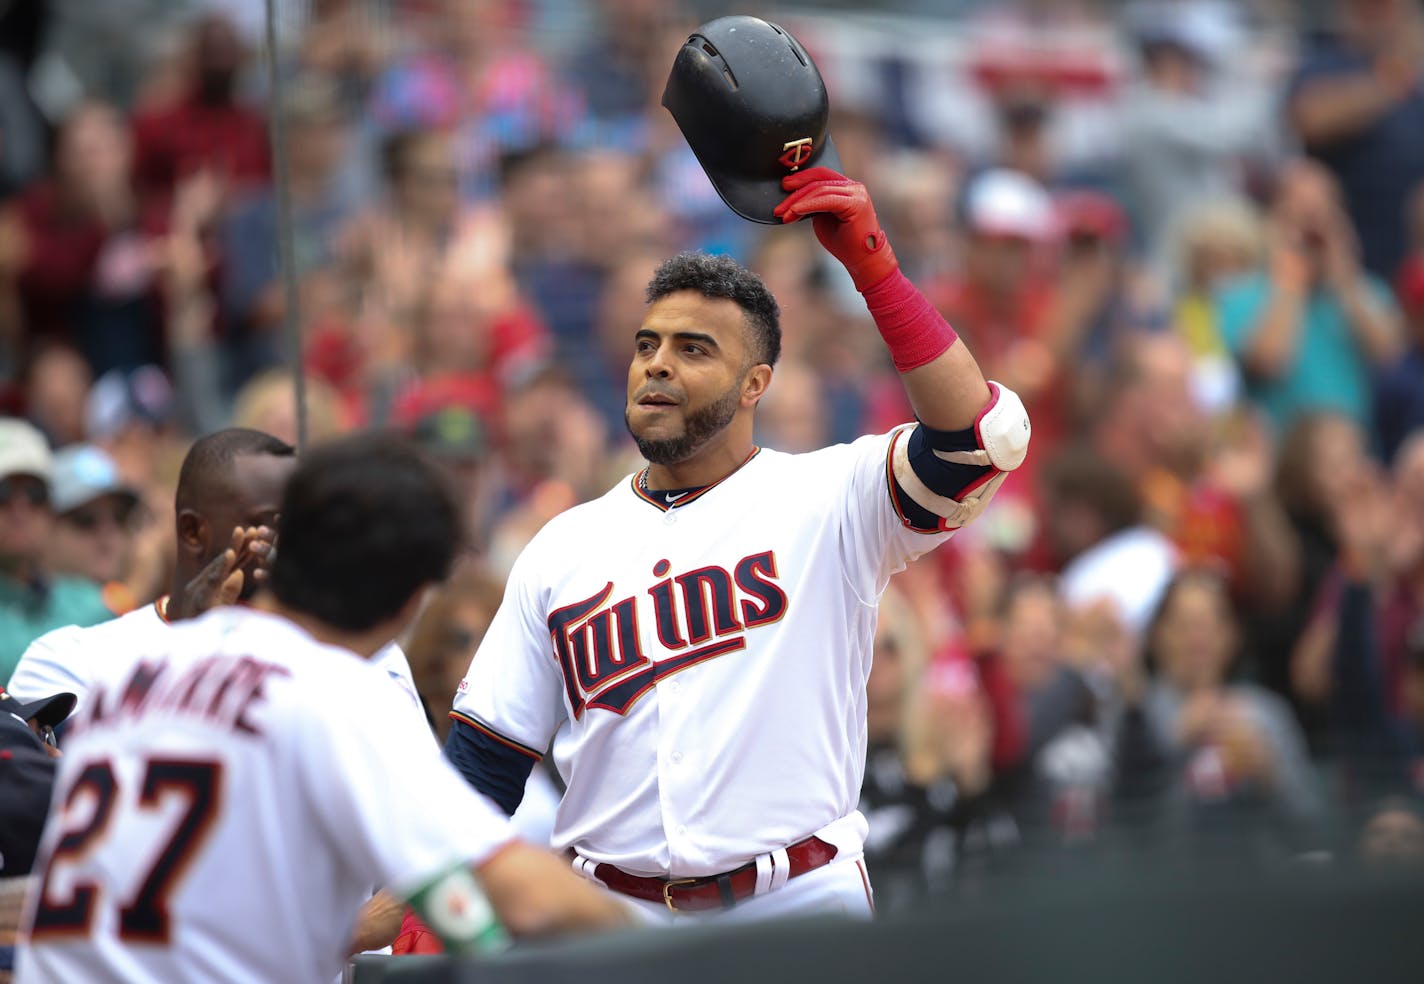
(1002, 429)
(1002, 433)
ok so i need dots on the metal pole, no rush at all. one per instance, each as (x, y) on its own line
(291, 315)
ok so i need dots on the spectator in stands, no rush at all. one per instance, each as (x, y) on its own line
(480, 79)
(458, 438)
(1003, 300)
(1205, 484)
(621, 61)
(1186, 129)
(1318, 466)
(268, 403)
(552, 270)
(56, 388)
(130, 416)
(1212, 755)
(428, 274)
(341, 44)
(1310, 328)
(252, 297)
(447, 631)
(1095, 533)
(1215, 244)
(88, 272)
(96, 517)
(32, 599)
(930, 734)
(1056, 780)
(553, 435)
(1360, 654)
(1357, 104)
(797, 419)
(206, 128)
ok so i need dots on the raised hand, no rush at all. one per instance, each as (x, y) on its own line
(844, 220)
(224, 579)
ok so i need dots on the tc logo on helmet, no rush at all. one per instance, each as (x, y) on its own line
(794, 153)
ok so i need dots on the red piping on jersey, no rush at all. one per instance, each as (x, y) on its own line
(890, 487)
(489, 732)
(691, 496)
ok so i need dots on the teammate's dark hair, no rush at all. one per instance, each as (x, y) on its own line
(212, 455)
(722, 276)
(366, 522)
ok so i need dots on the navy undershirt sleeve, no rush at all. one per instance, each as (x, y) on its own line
(946, 478)
(493, 768)
(942, 477)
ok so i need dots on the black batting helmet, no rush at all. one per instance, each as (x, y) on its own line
(753, 108)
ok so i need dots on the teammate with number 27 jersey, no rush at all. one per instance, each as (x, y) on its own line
(238, 737)
(232, 791)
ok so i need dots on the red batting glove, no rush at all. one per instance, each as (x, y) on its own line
(844, 221)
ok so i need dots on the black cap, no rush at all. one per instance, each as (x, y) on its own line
(753, 108)
(26, 781)
(49, 711)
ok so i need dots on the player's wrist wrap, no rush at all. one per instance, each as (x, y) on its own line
(913, 330)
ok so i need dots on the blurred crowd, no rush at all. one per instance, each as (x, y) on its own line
(1190, 234)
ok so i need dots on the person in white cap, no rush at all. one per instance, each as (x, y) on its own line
(96, 522)
(32, 600)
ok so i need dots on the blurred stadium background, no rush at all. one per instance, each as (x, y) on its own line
(1191, 233)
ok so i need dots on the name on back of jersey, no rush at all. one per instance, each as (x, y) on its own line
(222, 690)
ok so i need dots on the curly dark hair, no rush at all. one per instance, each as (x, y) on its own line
(724, 277)
(367, 521)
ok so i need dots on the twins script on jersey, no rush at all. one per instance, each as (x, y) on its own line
(699, 668)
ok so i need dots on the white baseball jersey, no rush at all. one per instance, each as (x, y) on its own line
(225, 803)
(700, 669)
(67, 659)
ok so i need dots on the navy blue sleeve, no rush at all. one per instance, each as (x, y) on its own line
(491, 766)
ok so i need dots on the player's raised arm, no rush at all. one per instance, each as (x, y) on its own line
(940, 375)
(970, 430)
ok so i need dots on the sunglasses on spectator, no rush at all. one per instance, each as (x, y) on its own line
(90, 518)
(46, 734)
(33, 490)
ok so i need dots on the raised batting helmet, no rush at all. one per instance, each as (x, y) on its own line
(753, 108)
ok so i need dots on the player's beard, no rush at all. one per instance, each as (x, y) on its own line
(698, 428)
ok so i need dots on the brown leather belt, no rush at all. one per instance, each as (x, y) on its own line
(713, 891)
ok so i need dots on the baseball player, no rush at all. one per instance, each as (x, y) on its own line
(694, 645)
(230, 480)
(225, 507)
(225, 802)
